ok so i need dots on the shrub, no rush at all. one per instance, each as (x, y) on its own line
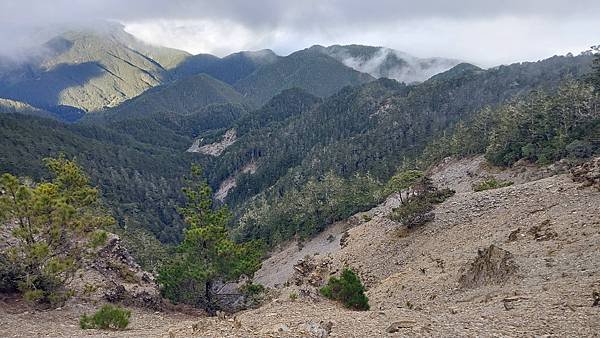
(98, 238)
(348, 289)
(108, 317)
(413, 212)
(9, 275)
(293, 296)
(417, 210)
(491, 183)
(579, 149)
(253, 289)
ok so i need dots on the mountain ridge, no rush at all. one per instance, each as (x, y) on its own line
(87, 71)
(386, 62)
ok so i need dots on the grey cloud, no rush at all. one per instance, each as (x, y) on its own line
(287, 24)
(276, 12)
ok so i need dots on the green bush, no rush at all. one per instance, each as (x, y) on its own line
(491, 183)
(417, 210)
(413, 212)
(253, 289)
(108, 317)
(348, 289)
(579, 149)
(9, 275)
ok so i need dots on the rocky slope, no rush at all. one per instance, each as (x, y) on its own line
(445, 278)
(515, 261)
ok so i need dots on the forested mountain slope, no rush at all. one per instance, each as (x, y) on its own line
(319, 74)
(87, 70)
(11, 106)
(139, 158)
(184, 97)
(140, 183)
(228, 69)
(375, 127)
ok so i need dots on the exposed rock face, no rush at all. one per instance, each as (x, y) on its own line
(412, 280)
(492, 266)
(113, 275)
(309, 272)
(109, 273)
(231, 181)
(588, 173)
(217, 148)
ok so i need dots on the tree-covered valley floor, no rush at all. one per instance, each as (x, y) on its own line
(441, 279)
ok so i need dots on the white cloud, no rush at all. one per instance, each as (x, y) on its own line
(484, 32)
(196, 36)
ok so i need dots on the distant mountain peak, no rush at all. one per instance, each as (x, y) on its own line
(386, 62)
(88, 70)
(261, 56)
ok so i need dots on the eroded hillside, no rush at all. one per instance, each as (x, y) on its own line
(549, 227)
(515, 261)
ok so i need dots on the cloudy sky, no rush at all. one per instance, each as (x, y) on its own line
(480, 31)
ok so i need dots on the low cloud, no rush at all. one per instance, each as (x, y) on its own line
(483, 32)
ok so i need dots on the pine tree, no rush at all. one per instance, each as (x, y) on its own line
(207, 253)
(53, 223)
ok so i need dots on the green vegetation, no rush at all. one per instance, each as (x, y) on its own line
(307, 210)
(53, 224)
(491, 183)
(88, 70)
(402, 181)
(11, 106)
(594, 77)
(183, 97)
(541, 127)
(206, 254)
(371, 129)
(368, 131)
(108, 317)
(229, 69)
(293, 296)
(140, 183)
(347, 289)
(416, 210)
(318, 74)
(253, 289)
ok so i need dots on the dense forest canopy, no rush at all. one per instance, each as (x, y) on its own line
(315, 160)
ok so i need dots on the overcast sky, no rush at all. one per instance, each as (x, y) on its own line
(479, 31)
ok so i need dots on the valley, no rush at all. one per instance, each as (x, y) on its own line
(413, 277)
(336, 191)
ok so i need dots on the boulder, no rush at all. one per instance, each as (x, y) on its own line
(492, 265)
(588, 174)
